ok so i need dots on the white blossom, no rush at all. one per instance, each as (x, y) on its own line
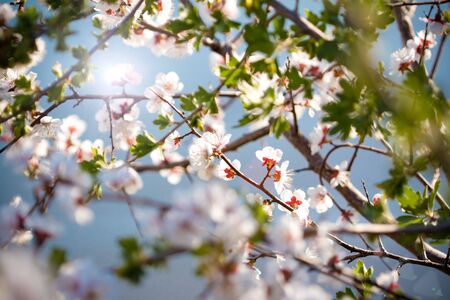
(436, 25)
(388, 280)
(319, 199)
(225, 172)
(258, 199)
(318, 137)
(240, 284)
(82, 279)
(22, 277)
(123, 74)
(286, 235)
(200, 154)
(169, 82)
(120, 177)
(282, 177)
(269, 156)
(402, 60)
(339, 174)
(298, 202)
(421, 46)
(72, 199)
(218, 140)
(159, 100)
(47, 127)
(6, 13)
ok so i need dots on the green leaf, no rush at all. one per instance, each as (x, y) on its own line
(279, 126)
(56, 93)
(346, 294)
(134, 260)
(23, 83)
(97, 23)
(23, 102)
(408, 220)
(145, 144)
(295, 80)
(80, 53)
(162, 121)
(56, 258)
(257, 38)
(187, 103)
(19, 126)
(209, 99)
(398, 179)
(412, 202)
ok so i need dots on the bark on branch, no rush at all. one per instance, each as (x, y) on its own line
(357, 200)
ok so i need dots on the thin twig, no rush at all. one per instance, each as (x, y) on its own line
(416, 3)
(108, 107)
(438, 55)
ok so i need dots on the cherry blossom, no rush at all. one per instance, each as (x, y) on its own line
(339, 174)
(124, 120)
(402, 60)
(82, 279)
(72, 202)
(298, 202)
(110, 14)
(388, 280)
(319, 198)
(27, 152)
(73, 126)
(12, 219)
(436, 25)
(282, 177)
(174, 174)
(120, 177)
(218, 140)
(87, 149)
(225, 172)
(65, 168)
(139, 37)
(162, 44)
(43, 228)
(172, 142)
(207, 214)
(378, 199)
(318, 137)
(258, 199)
(269, 156)
(286, 235)
(312, 104)
(421, 45)
(169, 82)
(23, 277)
(123, 74)
(6, 13)
(214, 122)
(215, 62)
(200, 154)
(238, 282)
(164, 13)
(253, 92)
(158, 100)
(47, 127)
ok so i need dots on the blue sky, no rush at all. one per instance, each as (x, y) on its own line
(113, 220)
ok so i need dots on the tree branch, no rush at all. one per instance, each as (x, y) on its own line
(404, 23)
(416, 3)
(354, 197)
(304, 25)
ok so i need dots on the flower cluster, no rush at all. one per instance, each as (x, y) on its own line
(416, 51)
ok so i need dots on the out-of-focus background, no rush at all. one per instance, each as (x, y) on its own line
(112, 219)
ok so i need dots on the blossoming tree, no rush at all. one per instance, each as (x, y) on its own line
(284, 66)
